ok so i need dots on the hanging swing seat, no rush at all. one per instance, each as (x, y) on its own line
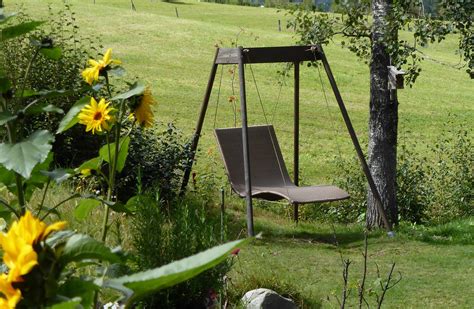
(269, 177)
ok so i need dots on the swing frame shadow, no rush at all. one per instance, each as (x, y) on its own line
(293, 54)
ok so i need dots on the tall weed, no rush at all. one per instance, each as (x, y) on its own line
(162, 235)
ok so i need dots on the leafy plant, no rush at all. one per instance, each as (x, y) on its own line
(164, 234)
(58, 70)
(40, 271)
(428, 190)
(451, 177)
(156, 159)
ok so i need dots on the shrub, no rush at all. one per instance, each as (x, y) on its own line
(412, 188)
(72, 147)
(161, 235)
(157, 159)
(451, 177)
(432, 189)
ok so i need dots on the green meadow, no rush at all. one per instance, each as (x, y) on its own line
(174, 56)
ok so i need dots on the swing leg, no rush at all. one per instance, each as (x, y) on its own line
(295, 212)
(200, 122)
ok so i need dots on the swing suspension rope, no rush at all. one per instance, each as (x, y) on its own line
(260, 100)
(279, 96)
(331, 116)
(218, 96)
(280, 168)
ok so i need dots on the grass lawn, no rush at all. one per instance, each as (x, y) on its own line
(304, 262)
(174, 55)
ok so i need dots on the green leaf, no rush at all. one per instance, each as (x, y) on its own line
(22, 157)
(135, 201)
(71, 117)
(6, 117)
(5, 84)
(7, 178)
(58, 175)
(84, 208)
(69, 304)
(48, 93)
(119, 207)
(37, 177)
(81, 247)
(123, 153)
(92, 164)
(28, 93)
(6, 215)
(53, 53)
(82, 289)
(58, 238)
(17, 30)
(138, 285)
(116, 71)
(136, 89)
(45, 108)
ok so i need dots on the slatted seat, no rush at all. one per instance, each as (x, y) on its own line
(269, 177)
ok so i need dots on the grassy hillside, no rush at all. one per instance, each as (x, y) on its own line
(174, 55)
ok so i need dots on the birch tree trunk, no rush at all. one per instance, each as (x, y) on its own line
(383, 122)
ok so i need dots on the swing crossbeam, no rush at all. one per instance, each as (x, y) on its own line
(295, 55)
(268, 55)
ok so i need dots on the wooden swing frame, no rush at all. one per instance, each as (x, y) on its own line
(293, 54)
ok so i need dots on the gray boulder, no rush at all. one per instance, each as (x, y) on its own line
(266, 299)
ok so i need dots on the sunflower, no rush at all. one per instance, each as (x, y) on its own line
(10, 296)
(143, 113)
(91, 74)
(17, 244)
(96, 116)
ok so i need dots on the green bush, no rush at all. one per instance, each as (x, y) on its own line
(433, 189)
(61, 30)
(156, 158)
(451, 177)
(412, 188)
(161, 235)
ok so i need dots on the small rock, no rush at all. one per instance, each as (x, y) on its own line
(266, 299)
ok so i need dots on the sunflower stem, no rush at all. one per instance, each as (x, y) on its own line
(25, 78)
(113, 166)
(40, 208)
(107, 84)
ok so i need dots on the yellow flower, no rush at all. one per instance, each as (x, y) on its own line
(17, 244)
(96, 116)
(91, 74)
(142, 111)
(86, 172)
(11, 296)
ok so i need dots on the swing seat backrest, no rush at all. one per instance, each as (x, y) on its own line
(269, 177)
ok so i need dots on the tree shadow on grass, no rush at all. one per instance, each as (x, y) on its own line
(343, 237)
